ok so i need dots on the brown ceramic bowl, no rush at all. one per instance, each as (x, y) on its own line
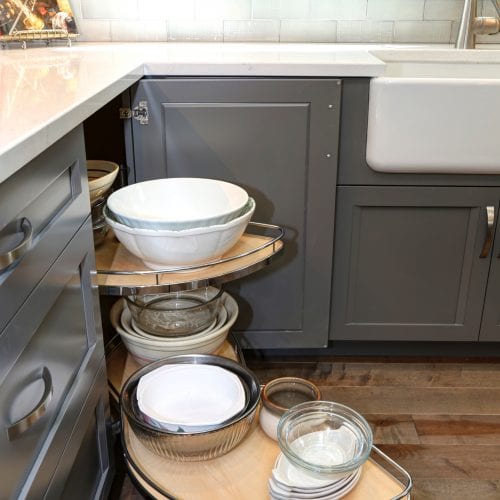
(281, 394)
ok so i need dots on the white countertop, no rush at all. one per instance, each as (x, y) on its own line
(47, 91)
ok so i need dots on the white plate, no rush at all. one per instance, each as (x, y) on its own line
(335, 491)
(190, 397)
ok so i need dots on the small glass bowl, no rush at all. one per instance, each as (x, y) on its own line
(176, 313)
(325, 439)
(281, 394)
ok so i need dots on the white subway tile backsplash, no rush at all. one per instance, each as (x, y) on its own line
(110, 9)
(366, 21)
(308, 31)
(443, 10)
(223, 9)
(389, 10)
(422, 31)
(365, 31)
(195, 31)
(166, 9)
(280, 9)
(76, 7)
(138, 31)
(339, 9)
(92, 30)
(259, 30)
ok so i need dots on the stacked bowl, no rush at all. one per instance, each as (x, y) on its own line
(323, 447)
(101, 175)
(191, 407)
(188, 322)
(179, 222)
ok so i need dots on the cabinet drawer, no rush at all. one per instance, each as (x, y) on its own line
(84, 468)
(45, 350)
(50, 195)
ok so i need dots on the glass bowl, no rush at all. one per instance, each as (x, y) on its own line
(192, 446)
(176, 313)
(324, 439)
(281, 394)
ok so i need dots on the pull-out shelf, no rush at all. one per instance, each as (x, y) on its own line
(121, 273)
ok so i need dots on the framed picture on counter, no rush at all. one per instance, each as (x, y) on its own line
(36, 20)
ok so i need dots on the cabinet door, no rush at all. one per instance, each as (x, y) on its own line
(278, 139)
(408, 263)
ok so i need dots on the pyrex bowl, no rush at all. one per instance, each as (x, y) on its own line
(175, 313)
(281, 394)
(101, 175)
(164, 249)
(146, 349)
(325, 439)
(177, 203)
(192, 446)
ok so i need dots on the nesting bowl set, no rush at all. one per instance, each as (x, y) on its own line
(191, 407)
(155, 326)
(101, 174)
(179, 222)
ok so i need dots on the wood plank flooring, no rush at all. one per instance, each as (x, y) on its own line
(439, 419)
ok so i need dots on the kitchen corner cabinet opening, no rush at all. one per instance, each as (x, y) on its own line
(277, 138)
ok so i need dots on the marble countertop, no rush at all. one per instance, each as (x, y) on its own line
(47, 91)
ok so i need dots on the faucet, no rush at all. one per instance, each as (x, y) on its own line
(472, 25)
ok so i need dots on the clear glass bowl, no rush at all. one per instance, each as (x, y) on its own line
(192, 446)
(325, 439)
(176, 313)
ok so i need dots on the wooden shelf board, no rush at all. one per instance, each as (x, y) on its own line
(112, 256)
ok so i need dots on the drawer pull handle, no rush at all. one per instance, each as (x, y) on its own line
(16, 253)
(490, 225)
(22, 425)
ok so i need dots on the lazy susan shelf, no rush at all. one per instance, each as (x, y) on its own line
(121, 273)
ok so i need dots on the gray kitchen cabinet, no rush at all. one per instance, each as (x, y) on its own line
(412, 263)
(51, 346)
(277, 138)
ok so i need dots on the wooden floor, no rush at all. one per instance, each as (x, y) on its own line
(439, 419)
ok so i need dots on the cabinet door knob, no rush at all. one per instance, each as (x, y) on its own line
(23, 424)
(490, 227)
(17, 252)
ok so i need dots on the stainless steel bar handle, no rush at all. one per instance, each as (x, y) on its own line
(22, 425)
(17, 252)
(490, 226)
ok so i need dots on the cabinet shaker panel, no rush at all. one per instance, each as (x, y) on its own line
(278, 139)
(409, 263)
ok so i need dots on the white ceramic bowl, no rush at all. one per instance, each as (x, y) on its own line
(189, 398)
(146, 350)
(101, 175)
(177, 203)
(164, 249)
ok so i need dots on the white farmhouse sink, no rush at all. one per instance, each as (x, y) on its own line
(436, 113)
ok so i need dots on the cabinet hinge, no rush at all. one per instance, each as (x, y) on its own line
(139, 113)
(125, 113)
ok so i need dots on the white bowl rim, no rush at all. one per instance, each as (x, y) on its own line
(240, 198)
(183, 232)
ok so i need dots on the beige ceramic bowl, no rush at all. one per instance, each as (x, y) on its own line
(101, 175)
